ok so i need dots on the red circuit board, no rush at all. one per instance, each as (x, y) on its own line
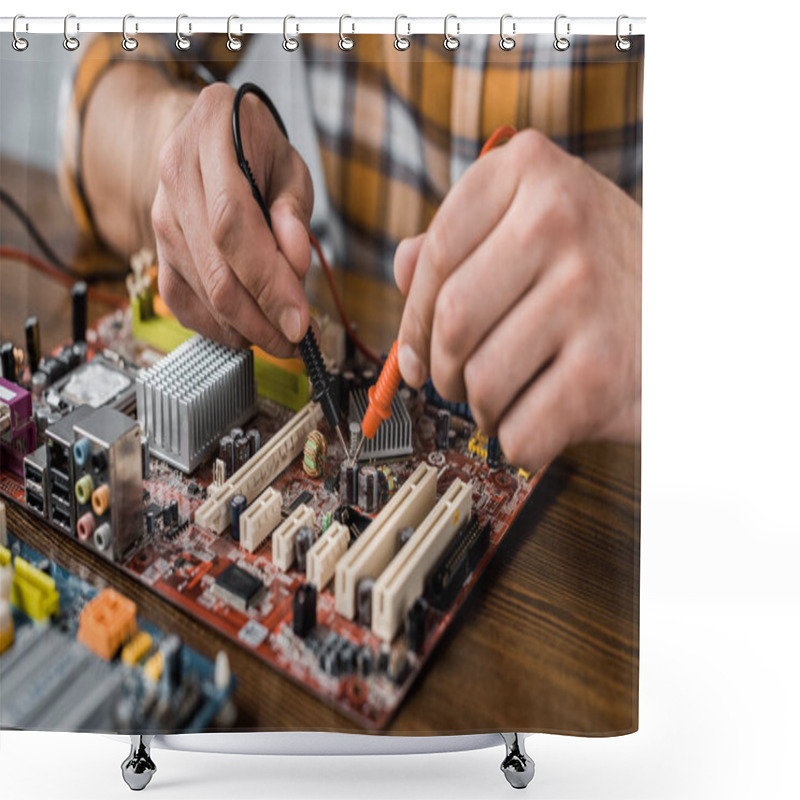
(181, 565)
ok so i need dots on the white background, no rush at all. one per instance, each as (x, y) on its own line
(720, 599)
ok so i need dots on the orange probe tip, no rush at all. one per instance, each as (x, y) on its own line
(381, 395)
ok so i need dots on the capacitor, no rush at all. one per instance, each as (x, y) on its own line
(315, 451)
(235, 433)
(416, 618)
(493, 452)
(38, 385)
(368, 377)
(254, 438)
(150, 521)
(348, 483)
(442, 428)
(8, 366)
(365, 662)
(145, 457)
(368, 489)
(302, 544)
(241, 451)
(33, 343)
(174, 512)
(347, 659)
(79, 311)
(364, 601)
(304, 610)
(238, 505)
(226, 454)
(384, 655)
(404, 535)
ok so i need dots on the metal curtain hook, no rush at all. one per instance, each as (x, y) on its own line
(181, 42)
(129, 43)
(345, 42)
(507, 42)
(401, 42)
(451, 42)
(623, 43)
(70, 42)
(290, 44)
(234, 44)
(18, 43)
(561, 43)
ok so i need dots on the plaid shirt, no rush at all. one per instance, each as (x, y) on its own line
(397, 129)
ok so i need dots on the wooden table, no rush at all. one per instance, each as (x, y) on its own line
(548, 640)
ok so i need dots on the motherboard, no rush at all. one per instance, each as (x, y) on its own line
(209, 476)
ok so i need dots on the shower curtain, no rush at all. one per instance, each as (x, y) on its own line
(474, 566)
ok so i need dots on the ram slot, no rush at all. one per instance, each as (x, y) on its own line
(325, 553)
(401, 583)
(378, 543)
(259, 520)
(284, 536)
(260, 470)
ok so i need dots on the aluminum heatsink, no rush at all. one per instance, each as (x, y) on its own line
(190, 398)
(393, 439)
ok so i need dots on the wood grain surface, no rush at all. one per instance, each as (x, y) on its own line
(548, 640)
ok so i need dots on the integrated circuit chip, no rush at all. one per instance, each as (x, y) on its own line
(238, 587)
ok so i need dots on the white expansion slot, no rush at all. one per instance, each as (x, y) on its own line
(254, 476)
(326, 551)
(285, 534)
(402, 582)
(259, 520)
(377, 545)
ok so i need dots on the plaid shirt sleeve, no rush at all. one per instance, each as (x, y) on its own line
(397, 129)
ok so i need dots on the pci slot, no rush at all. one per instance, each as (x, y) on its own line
(259, 471)
(325, 553)
(378, 544)
(402, 582)
(284, 536)
(259, 520)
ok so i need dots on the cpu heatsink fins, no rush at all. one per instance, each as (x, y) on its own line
(190, 398)
(393, 439)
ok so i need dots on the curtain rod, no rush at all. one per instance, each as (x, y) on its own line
(407, 26)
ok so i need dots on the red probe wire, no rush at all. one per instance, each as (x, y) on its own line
(383, 392)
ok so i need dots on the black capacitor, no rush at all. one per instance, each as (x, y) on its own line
(226, 454)
(145, 457)
(493, 452)
(241, 451)
(7, 363)
(348, 483)
(384, 656)
(347, 659)
(254, 439)
(302, 544)
(415, 625)
(304, 610)
(33, 343)
(173, 511)
(368, 377)
(442, 428)
(150, 521)
(235, 433)
(79, 311)
(365, 662)
(238, 505)
(368, 489)
(364, 601)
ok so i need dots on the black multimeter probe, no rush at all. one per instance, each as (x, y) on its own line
(309, 350)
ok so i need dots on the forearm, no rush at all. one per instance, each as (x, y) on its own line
(131, 113)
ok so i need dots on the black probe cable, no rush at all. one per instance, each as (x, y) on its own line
(309, 349)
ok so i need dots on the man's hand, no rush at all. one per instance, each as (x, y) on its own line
(524, 298)
(221, 270)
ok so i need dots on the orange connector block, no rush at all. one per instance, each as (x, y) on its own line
(106, 623)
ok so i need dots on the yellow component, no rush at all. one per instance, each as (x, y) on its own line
(33, 592)
(136, 649)
(5, 557)
(154, 667)
(524, 474)
(106, 622)
(101, 497)
(478, 444)
(283, 380)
